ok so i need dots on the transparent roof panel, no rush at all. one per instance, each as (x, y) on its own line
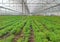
(31, 6)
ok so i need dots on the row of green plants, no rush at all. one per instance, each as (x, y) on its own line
(51, 30)
(8, 21)
(46, 29)
(26, 32)
(12, 30)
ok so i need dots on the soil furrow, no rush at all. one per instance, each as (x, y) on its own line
(4, 36)
(19, 35)
(31, 38)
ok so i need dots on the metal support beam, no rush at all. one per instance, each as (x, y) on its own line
(52, 6)
(8, 9)
(24, 3)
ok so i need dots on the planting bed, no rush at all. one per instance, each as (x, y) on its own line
(29, 29)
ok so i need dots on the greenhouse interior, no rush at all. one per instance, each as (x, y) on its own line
(29, 20)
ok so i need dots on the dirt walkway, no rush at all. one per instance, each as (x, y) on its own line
(20, 34)
(31, 38)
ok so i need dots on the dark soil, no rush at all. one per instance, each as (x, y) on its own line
(19, 35)
(4, 36)
(31, 38)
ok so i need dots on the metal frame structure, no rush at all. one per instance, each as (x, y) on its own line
(25, 8)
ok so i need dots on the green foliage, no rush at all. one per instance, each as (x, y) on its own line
(45, 29)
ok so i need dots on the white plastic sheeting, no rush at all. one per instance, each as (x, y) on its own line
(35, 6)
